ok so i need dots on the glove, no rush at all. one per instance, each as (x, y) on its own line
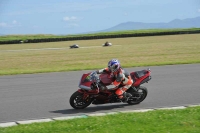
(97, 71)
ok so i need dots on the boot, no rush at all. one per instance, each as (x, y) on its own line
(126, 96)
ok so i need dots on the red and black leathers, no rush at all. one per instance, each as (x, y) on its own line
(120, 77)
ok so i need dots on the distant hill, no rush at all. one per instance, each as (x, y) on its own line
(177, 23)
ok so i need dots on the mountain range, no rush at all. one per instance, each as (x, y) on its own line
(176, 23)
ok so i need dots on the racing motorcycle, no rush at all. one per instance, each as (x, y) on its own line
(94, 90)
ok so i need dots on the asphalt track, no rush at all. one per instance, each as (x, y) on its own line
(37, 96)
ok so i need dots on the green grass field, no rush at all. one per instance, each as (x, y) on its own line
(159, 121)
(132, 52)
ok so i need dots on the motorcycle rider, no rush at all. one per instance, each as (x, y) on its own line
(120, 77)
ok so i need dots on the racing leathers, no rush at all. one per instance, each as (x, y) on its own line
(120, 77)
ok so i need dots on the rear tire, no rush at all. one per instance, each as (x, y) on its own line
(139, 96)
(77, 101)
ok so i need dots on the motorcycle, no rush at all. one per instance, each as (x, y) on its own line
(93, 89)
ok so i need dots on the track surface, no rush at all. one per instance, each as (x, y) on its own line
(36, 96)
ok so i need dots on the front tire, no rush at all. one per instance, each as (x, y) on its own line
(77, 101)
(139, 96)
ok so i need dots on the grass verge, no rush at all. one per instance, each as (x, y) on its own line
(158, 121)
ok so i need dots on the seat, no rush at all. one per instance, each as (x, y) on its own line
(139, 74)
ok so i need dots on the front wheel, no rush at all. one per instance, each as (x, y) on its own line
(79, 101)
(139, 96)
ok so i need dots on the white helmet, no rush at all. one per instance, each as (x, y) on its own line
(113, 65)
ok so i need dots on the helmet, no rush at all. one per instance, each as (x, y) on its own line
(113, 65)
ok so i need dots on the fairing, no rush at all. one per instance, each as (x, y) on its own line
(106, 79)
(139, 77)
(85, 83)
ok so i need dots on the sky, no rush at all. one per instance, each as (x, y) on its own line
(63, 17)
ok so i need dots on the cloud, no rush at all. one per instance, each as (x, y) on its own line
(70, 18)
(14, 23)
(2, 24)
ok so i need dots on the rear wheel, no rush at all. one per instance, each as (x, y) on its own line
(138, 96)
(79, 101)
